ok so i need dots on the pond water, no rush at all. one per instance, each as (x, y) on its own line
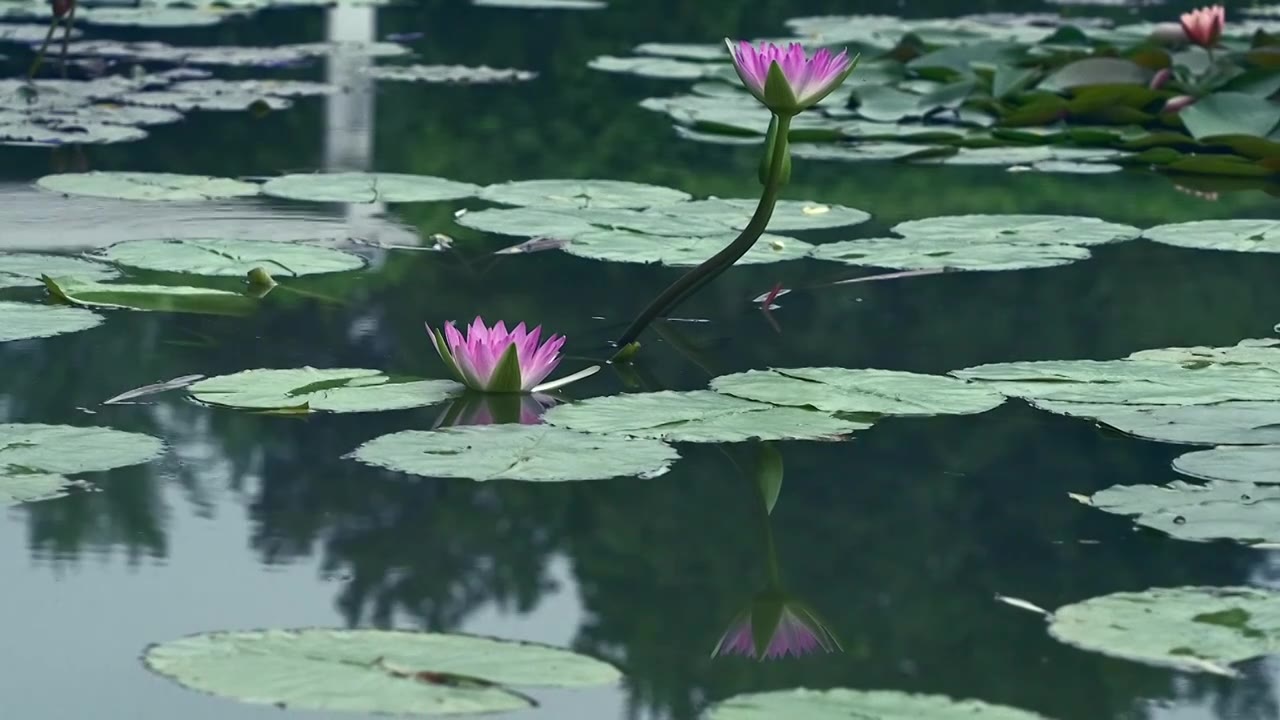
(900, 537)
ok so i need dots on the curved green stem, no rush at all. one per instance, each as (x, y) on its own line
(721, 261)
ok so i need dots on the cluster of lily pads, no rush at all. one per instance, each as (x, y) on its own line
(1028, 91)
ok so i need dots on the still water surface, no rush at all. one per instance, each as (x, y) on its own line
(900, 538)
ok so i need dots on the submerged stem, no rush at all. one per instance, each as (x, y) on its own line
(691, 281)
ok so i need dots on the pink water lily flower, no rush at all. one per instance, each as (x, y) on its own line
(804, 80)
(768, 632)
(495, 359)
(1204, 26)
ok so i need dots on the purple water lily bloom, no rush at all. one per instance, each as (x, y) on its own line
(806, 79)
(495, 359)
(795, 631)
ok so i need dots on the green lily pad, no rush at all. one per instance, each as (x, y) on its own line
(1096, 71)
(527, 222)
(1128, 382)
(842, 704)
(1037, 229)
(544, 4)
(884, 392)
(788, 215)
(35, 459)
(25, 269)
(556, 194)
(371, 671)
(234, 258)
(569, 222)
(624, 246)
(33, 33)
(449, 74)
(154, 16)
(158, 298)
(867, 150)
(1238, 511)
(1233, 235)
(697, 416)
(1227, 423)
(1231, 113)
(1195, 629)
(1032, 155)
(341, 390)
(360, 187)
(943, 253)
(536, 453)
(147, 186)
(685, 51)
(1259, 464)
(655, 67)
(24, 321)
(1260, 352)
(188, 100)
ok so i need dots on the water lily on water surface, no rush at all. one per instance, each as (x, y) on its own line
(775, 627)
(1204, 26)
(798, 82)
(497, 360)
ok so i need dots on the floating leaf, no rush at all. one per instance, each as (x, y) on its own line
(1036, 229)
(449, 74)
(159, 298)
(544, 4)
(146, 186)
(685, 51)
(1263, 352)
(557, 194)
(885, 392)
(842, 704)
(1096, 71)
(1231, 113)
(788, 215)
(1233, 235)
(1194, 629)
(624, 246)
(1227, 423)
(1238, 511)
(35, 459)
(25, 269)
(948, 253)
(329, 390)
(154, 17)
(233, 258)
(153, 389)
(24, 321)
(537, 453)
(1130, 382)
(359, 187)
(527, 222)
(655, 67)
(866, 150)
(371, 671)
(1259, 465)
(697, 416)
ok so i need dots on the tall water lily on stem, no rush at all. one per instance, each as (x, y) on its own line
(1204, 26)
(497, 360)
(787, 81)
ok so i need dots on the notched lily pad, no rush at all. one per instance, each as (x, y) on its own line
(361, 187)
(535, 453)
(1239, 511)
(625, 246)
(233, 258)
(1194, 629)
(1232, 235)
(558, 194)
(25, 321)
(843, 390)
(843, 704)
(372, 671)
(35, 459)
(340, 390)
(147, 186)
(155, 298)
(698, 416)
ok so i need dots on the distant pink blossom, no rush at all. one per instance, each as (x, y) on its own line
(809, 79)
(1176, 104)
(1204, 26)
(476, 358)
(1160, 78)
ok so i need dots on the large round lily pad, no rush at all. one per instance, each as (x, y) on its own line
(553, 194)
(35, 459)
(788, 215)
(371, 671)
(1196, 629)
(1238, 511)
(147, 186)
(24, 321)
(698, 416)
(1233, 235)
(1227, 423)
(624, 246)
(886, 392)
(1258, 352)
(842, 704)
(330, 390)
(1035, 229)
(25, 269)
(232, 258)
(1259, 464)
(359, 187)
(537, 453)
(948, 253)
(1127, 382)
(667, 68)
(527, 222)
